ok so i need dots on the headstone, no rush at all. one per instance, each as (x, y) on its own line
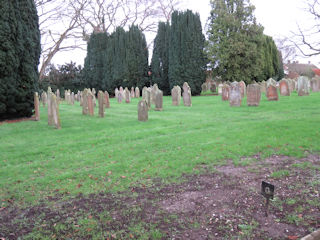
(143, 111)
(90, 99)
(146, 95)
(81, 98)
(220, 88)
(101, 102)
(107, 99)
(303, 89)
(36, 106)
(213, 87)
(204, 87)
(176, 95)
(85, 109)
(235, 95)
(127, 95)
(137, 92)
(55, 111)
(253, 94)
(186, 95)
(158, 100)
(132, 93)
(242, 88)
(116, 92)
(93, 94)
(263, 87)
(153, 93)
(315, 84)
(272, 82)
(120, 95)
(58, 95)
(50, 119)
(225, 92)
(44, 98)
(72, 98)
(272, 92)
(284, 88)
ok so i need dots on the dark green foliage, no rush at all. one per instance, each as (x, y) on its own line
(187, 62)
(160, 58)
(19, 57)
(64, 77)
(119, 59)
(234, 41)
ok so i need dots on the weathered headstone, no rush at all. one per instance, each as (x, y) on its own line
(146, 95)
(55, 111)
(132, 92)
(242, 88)
(176, 95)
(225, 92)
(90, 99)
(153, 93)
(284, 88)
(315, 84)
(36, 106)
(44, 98)
(303, 88)
(143, 111)
(272, 92)
(85, 109)
(101, 102)
(127, 95)
(50, 120)
(93, 94)
(235, 95)
(72, 98)
(137, 92)
(186, 95)
(272, 82)
(58, 95)
(158, 100)
(116, 92)
(220, 88)
(120, 95)
(204, 87)
(107, 99)
(253, 94)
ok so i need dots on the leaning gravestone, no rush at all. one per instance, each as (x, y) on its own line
(242, 88)
(225, 92)
(303, 89)
(127, 95)
(101, 102)
(186, 95)
(107, 99)
(158, 100)
(137, 92)
(272, 93)
(36, 106)
(253, 94)
(143, 111)
(284, 88)
(235, 95)
(176, 95)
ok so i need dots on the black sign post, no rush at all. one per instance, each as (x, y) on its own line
(267, 190)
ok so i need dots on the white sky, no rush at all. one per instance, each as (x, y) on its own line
(279, 18)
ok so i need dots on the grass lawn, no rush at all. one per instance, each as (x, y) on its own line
(116, 153)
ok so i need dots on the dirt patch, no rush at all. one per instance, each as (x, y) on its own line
(224, 204)
(17, 120)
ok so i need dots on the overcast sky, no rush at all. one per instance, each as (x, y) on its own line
(279, 18)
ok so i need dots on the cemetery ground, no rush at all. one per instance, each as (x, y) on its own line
(187, 173)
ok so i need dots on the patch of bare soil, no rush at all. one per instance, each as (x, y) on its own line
(225, 204)
(17, 120)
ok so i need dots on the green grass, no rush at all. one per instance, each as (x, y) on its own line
(280, 174)
(92, 154)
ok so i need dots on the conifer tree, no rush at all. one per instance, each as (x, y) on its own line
(19, 57)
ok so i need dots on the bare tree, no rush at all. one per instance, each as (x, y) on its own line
(287, 48)
(307, 40)
(66, 25)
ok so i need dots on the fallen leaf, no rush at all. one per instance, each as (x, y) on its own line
(293, 237)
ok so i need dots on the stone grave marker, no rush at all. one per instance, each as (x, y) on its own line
(235, 95)
(186, 95)
(36, 106)
(143, 111)
(253, 94)
(176, 95)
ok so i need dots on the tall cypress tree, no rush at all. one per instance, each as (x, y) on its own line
(160, 58)
(19, 57)
(187, 62)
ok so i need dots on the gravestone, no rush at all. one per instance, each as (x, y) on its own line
(253, 94)
(72, 98)
(204, 87)
(120, 95)
(303, 88)
(36, 106)
(220, 88)
(186, 95)
(225, 92)
(85, 109)
(93, 95)
(55, 111)
(107, 99)
(143, 111)
(158, 100)
(137, 92)
(116, 92)
(50, 120)
(58, 95)
(242, 88)
(284, 88)
(315, 84)
(132, 93)
(127, 95)
(272, 93)
(147, 97)
(101, 102)
(263, 87)
(90, 99)
(272, 82)
(154, 90)
(176, 95)
(235, 95)
(81, 98)
(44, 98)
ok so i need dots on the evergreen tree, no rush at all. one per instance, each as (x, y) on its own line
(19, 57)
(234, 41)
(160, 58)
(187, 62)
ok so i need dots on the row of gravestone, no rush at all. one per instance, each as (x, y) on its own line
(236, 91)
